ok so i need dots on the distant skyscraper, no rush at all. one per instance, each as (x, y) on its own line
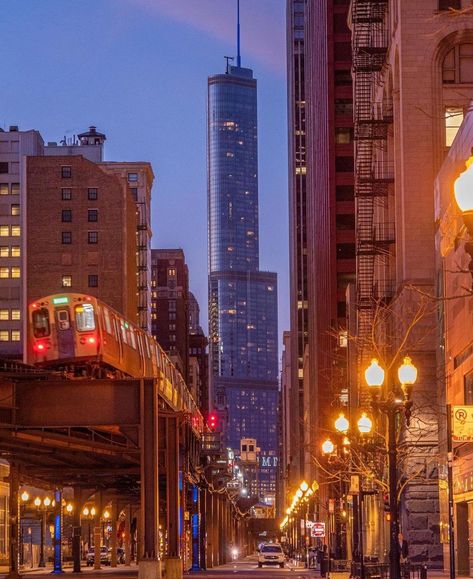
(242, 299)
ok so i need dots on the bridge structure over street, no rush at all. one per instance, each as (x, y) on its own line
(122, 442)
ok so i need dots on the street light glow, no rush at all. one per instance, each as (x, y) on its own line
(37, 502)
(85, 512)
(342, 424)
(463, 188)
(374, 374)
(69, 507)
(304, 486)
(407, 373)
(328, 447)
(25, 496)
(365, 424)
(46, 501)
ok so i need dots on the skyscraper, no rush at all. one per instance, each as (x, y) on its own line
(242, 299)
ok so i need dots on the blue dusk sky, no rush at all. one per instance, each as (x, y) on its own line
(137, 69)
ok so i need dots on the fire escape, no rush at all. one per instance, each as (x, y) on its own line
(143, 264)
(372, 179)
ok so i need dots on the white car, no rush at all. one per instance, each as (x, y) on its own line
(271, 554)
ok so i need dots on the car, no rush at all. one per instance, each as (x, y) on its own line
(105, 556)
(271, 554)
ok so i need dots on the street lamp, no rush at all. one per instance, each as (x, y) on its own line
(391, 406)
(328, 447)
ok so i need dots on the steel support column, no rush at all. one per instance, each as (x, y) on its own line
(76, 532)
(173, 560)
(58, 532)
(149, 566)
(14, 504)
(113, 538)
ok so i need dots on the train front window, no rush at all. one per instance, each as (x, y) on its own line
(41, 327)
(85, 320)
(63, 320)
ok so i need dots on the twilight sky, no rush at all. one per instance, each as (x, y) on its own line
(137, 69)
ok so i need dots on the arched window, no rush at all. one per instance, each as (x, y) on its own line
(457, 67)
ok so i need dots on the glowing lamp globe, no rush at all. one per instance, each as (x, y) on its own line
(37, 502)
(407, 373)
(46, 501)
(374, 374)
(342, 424)
(328, 447)
(25, 496)
(85, 512)
(106, 515)
(365, 424)
(304, 486)
(288, 511)
(69, 508)
(299, 494)
(93, 511)
(463, 188)
(315, 486)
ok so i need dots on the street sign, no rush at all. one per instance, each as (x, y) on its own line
(462, 423)
(318, 530)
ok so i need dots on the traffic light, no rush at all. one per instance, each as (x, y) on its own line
(213, 420)
(387, 506)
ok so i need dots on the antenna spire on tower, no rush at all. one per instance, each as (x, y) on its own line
(238, 35)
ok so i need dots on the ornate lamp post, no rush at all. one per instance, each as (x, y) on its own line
(392, 407)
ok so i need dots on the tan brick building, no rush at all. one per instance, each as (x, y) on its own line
(413, 75)
(81, 232)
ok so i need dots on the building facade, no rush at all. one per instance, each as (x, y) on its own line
(198, 358)
(242, 299)
(170, 305)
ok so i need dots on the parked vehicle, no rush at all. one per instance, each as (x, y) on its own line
(105, 556)
(271, 554)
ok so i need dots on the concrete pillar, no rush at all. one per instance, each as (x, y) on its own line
(113, 538)
(149, 566)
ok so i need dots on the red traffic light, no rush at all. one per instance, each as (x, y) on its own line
(213, 419)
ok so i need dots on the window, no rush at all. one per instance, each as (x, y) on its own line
(4, 315)
(15, 230)
(172, 337)
(66, 194)
(344, 192)
(4, 231)
(41, 326)
(15, 209)
(15, 251)
(341, 309)
(4, 190)
(343, 136)
(93, 237)
(85, 320)
(457, 66)
(342, 51)
(66, 215)
(4, 251)
(67, 237)
(172, 315)
(15, 315)
(66, 172)
(134, 193)
(345, 250)
(4, 272)
(15, 272)
(453, 120)
(172, 305)
(446, 5)
(4, 335)
(342, 77)
(92, 215)
(15, 335)
(66, 281)
(344, 164)
(345, 221)
(93, 280)
(171, 272)
(172, 327)
(3, 167)
(132, 177)
(15, 189)
(92, 194)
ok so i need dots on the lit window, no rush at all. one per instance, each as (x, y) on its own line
(343, 135)
(4, 272)
(4, 335)
(66, 172)
(171, 272)
(172, 337)
(67, 237)
(66, 216)
(4, 231)
(66, 194)
(15, 189)
(132, 177)
(15, 251)
(453, 120)
(93, 280)
(15, 272)
(4, 315)
(4, 189)
(67, 281)
(92, 215)
(92, 194)
(154, 316)
(343, 339)
(15, 230)
(15, 315)
(15, 335)
(93, 237)
(4, 251)
(85, 320)
(15, 209)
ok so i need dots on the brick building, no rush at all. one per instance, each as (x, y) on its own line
(170, 305)
(81, 232)
(198, 358)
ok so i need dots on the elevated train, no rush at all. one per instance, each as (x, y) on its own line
(84, 337)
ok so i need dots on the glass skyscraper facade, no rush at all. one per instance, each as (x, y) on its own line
(242, 299)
